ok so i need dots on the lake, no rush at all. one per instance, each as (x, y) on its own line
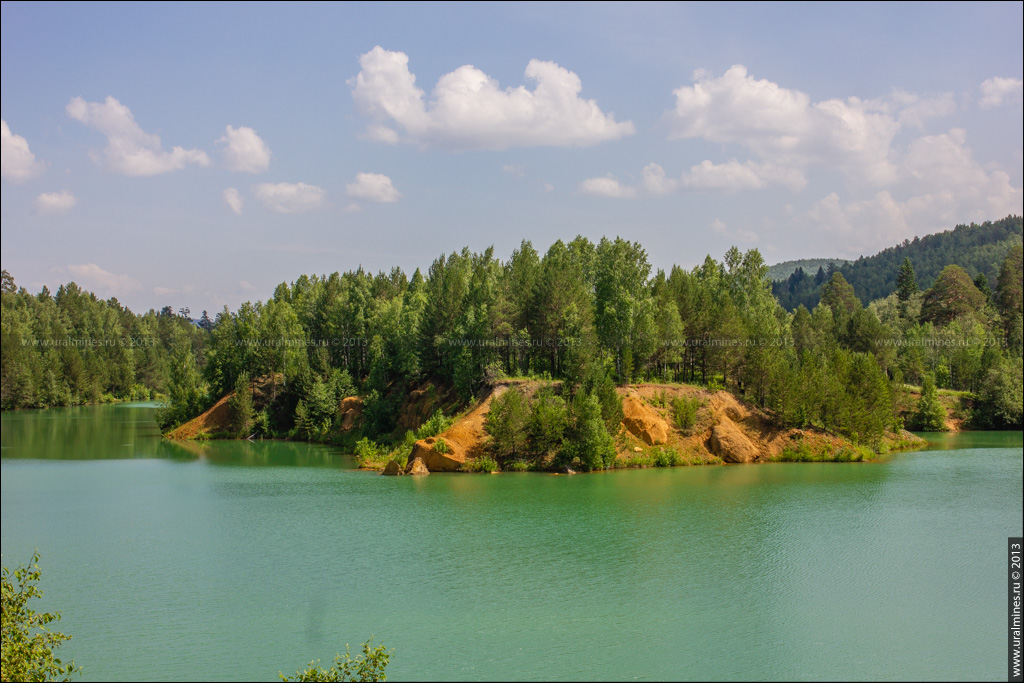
(239, 560)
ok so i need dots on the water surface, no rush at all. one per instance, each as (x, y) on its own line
(237, 560)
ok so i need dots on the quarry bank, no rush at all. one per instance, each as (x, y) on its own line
(725, 429)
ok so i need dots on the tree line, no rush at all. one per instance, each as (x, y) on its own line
(583, 313)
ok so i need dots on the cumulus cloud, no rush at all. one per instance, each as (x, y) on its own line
(374, 187)
(996, 90)
(469, 110)
(233, 198)
(749, 175)
(17, 162)
(730, 177)
(945, 186)
(913, 109)
(90, 276)
(291, 197)
(244, 150)
(608, 187)
(130, 150)
(785, 126)
(54, 203)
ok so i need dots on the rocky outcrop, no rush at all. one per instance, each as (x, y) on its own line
(350, 411)
(425, 451)
(392, 469)
(464, 440)
(730, 444)
(418, 406)
(417, 467)
(643, 422)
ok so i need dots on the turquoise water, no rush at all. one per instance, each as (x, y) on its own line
(237, 560)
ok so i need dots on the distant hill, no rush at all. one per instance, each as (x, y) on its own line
(976, 248)
(781, 271)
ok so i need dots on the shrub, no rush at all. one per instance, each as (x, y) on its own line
(484, 463)
(436, 424)
(371, 455)
(28, 644)
(368, 666)
(441, 446)
(684, 412)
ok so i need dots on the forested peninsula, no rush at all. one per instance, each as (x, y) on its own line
(581, 358)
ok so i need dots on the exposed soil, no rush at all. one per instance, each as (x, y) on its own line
(217, 419)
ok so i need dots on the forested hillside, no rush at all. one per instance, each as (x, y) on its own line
(782, 271)
(71, 348)
(978, 249)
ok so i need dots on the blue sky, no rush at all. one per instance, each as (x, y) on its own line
(198, 154)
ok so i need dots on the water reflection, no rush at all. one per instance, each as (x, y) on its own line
(127, 430)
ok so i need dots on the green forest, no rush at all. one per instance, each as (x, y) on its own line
(591, 315)
(978, 249)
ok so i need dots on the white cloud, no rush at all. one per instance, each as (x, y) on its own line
(469, 110)
(233, 198)
(913, 109)
(91, 277)
(17, 162)
(517, 170)
(786, 127)
(130, 150)
(245, 151)
(291, 197)
(374, 187)
(730, 177)
(54, 203)
(608, 187)
(997, 89)
(749, 175)
(945, 187)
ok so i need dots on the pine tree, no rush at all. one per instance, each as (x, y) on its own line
(930, 415)
(906, 282)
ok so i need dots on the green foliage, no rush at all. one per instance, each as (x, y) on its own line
(371, 455)
(587, 445)
(315, 413)
(952, 296)
(380, 412)
(484, 463)
(186, 390)
(1001, 401)
(28, 644)
(240, 407)
(906, 282)
(548, 422)
(598, 382)
(684, 412)
(506, 423)
(369, 666)
(434, 425)
(977, 248)
(930, 416)
(804, 452)
(441, 446)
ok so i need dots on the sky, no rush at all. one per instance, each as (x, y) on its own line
(196, 155)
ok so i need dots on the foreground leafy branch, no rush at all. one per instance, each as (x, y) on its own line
(368, 666)
(28, 644)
